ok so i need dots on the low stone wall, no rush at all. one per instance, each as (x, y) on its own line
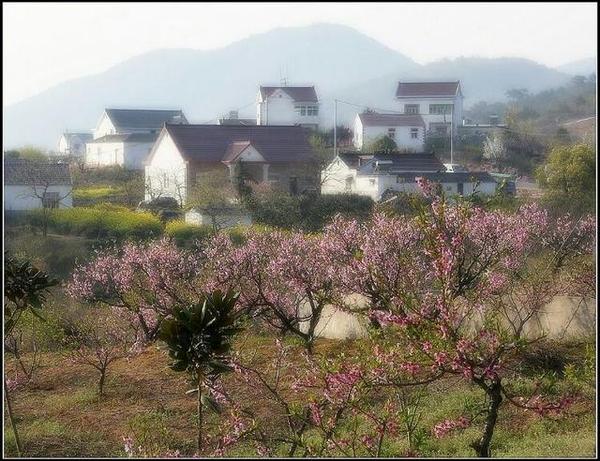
(563, 318)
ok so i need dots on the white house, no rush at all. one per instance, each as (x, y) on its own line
(73, 143)
(184, 155)
(439, 103)
(288, 105)
(125, 136)
(35, 184)
(374, 175)
(408, 131)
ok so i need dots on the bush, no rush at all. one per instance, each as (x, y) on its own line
(185, 234)
(308, 212)
(100, 223)
(96, 192)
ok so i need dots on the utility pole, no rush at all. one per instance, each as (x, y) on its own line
(451, 135)
(334, 127)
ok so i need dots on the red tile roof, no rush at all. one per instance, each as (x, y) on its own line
(427, 89)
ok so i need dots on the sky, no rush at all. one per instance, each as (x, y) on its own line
(47, 43)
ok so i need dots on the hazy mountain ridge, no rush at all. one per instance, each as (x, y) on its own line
(342, 62)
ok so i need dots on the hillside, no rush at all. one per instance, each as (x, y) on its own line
(206, 84)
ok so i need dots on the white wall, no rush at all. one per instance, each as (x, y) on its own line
(104, 127)
(17, 198)
(222, 220)
(436, 118)
(279, 109)
(130, 155)
(401, 137)
(166, 171)
(333, 178)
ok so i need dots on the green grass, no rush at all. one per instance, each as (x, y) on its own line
(97, 192)
(62, 415)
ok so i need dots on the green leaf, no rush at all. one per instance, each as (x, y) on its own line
(210, 403)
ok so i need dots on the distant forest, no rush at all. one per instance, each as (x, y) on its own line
(545, 109)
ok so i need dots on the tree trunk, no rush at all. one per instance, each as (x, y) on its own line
(101, 383)
(482, 446)
(199, 413)
(12, 420)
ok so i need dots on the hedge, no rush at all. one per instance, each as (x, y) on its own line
(99, 223)
(185, 234)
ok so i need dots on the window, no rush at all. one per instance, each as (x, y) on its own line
(411, 108)
(165, 180)
(50, 200)
(400, 180)
(372, 182)
(414, 133)
(273, 177)
(349, 182)
(392, 133)
(293, 185)
(440, 109)
(304, 111)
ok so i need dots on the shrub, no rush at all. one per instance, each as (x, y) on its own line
(307, 212)
(96, 192)
(185, 234)
(100, 223)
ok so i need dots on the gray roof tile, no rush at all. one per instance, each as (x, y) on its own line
(20, 172)
(146, 119)
(297, 93)
(211, 143)
(449, 89)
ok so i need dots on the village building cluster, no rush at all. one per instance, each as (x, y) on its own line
(274, 147)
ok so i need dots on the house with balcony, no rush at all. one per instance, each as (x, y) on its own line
(288, 105)
(125, 136)
(407, 131)
(440, 104)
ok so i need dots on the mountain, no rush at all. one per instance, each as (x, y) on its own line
(339, 60)
(580, 67)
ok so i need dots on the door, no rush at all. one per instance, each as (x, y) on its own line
(460, 188)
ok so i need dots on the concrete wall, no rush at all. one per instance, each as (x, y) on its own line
(104, 127)
(222, 220)
(17, 198)
(563, 318)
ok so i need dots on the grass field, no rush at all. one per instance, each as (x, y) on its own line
(59, 413)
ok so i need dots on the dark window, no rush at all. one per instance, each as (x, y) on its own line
(414, 133)
(460, 188)
(411, 108)
(293, 185)
(50, 200)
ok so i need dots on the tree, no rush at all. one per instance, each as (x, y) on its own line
(98, 339)
(199, 340)
(282, 278)
(214, 194)
(144, 282)
(494, 150)
(384, 144)
(569, 173)
(25, 289)
(459, 286)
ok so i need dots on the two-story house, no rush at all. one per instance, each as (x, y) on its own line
(440, 104)
(407, 131)
(288, 105)
(126, 136)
